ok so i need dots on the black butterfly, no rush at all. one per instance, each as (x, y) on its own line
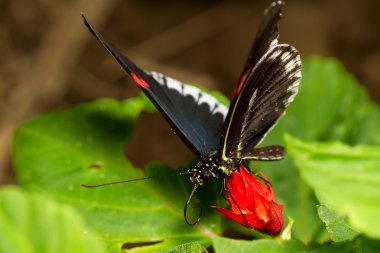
(224, 138)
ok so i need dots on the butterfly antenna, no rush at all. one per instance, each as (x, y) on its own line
(131, 180)
(187, 204)
(222, 189)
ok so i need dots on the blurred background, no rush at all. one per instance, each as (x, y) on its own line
(49, 61)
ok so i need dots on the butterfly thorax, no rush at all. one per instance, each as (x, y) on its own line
(211, 167)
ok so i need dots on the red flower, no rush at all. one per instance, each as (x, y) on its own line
(252, 203)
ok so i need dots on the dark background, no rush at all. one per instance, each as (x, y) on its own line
(49, 61)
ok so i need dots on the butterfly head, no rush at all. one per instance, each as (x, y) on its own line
(205, 169)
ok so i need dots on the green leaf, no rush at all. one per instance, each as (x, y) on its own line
(59, 151)
(337, 226)
(331, 106)
(222, 245)
(343, 177)
(189, 248)
(32, 222)
(362, 244)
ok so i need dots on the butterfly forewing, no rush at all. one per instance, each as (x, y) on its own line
(268, 83)
(266, 37)
(268, 90)
(194, 115)
(198, 116)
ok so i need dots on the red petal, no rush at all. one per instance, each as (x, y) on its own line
(274, 226)
(255, 186)
(253, 222)
(257, 195)
(269, 186)
(235, 184)
(236, 187)
(237, 217)
(259, 205)
(253, 183)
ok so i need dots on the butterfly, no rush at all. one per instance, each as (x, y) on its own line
(225, 138)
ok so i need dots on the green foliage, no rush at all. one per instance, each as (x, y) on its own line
(222, 245)
(330, 106)
(189, 248)
(31, 222)
(337, 226)
(57, 152)
(345, 178)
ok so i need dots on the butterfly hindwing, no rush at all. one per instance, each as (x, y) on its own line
(195, 116)
(268, 153)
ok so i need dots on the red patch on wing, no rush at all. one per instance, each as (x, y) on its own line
(141, 82)
(240, 85)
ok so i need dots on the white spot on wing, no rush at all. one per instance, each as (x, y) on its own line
(188, 90)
